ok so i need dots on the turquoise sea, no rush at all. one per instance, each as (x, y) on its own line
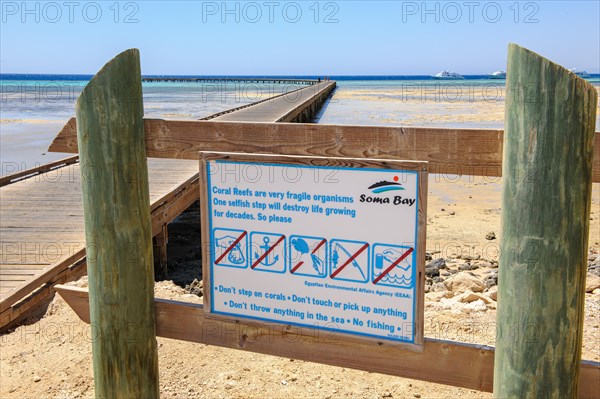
(35, 107)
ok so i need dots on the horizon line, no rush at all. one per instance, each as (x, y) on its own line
(163, 75)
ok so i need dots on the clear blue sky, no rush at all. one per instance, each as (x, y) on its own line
(286, 37)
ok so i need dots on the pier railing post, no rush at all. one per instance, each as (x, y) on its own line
(547, 184)
(118, 229)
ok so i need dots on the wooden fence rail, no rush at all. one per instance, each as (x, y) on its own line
(445, 362)
(476, 152)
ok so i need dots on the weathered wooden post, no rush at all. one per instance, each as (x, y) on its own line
(116, 204)
(547, 172)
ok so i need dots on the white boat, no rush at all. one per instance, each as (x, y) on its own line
(498, 75)
(581, 74)
(447, 75)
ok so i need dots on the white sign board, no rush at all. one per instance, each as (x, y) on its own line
(334, 246)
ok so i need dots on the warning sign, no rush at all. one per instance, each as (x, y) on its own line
(337, 246)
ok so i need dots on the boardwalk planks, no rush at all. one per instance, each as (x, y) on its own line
(118, 230)
(42, 227)
(550, 120)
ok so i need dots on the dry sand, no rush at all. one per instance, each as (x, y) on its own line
(52, 358)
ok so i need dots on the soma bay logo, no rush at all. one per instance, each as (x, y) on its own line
(385, 186)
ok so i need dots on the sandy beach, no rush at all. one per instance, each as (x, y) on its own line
(51, 358)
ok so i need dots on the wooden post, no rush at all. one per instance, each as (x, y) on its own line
(118, 230)
(547, 173)
(160, 242)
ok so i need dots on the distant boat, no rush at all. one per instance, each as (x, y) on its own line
(448, 75)
(581, 74)
(498, 75)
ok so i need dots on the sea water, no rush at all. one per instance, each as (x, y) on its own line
(35, 107)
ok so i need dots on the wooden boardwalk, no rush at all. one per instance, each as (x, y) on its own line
(295, 106)
(42, 231)
(207, 79)
(42, 240)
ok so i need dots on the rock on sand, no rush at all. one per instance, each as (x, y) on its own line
(463, 281)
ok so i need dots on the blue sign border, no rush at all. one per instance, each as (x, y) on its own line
(212, 254)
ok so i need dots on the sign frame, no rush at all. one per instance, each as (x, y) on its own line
(419, 167)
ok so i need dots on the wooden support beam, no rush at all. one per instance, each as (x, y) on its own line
(159, 243)
(118, 230)
(47, 274)
(476, 152)
(306, 110)
(546, 200)
(39, 296)
(443, 362)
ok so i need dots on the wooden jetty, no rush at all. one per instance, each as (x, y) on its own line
(42, 239)
(295, 106)
(209, 79)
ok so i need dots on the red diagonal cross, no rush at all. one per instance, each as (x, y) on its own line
(267, 252)
(319, 245)
(236, 242)
(392, 266)
(339, 269)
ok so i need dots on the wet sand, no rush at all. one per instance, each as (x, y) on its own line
(471, 107)
(24, 144)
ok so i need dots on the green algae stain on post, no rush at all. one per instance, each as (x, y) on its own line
(547, 171)
(118, 231)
